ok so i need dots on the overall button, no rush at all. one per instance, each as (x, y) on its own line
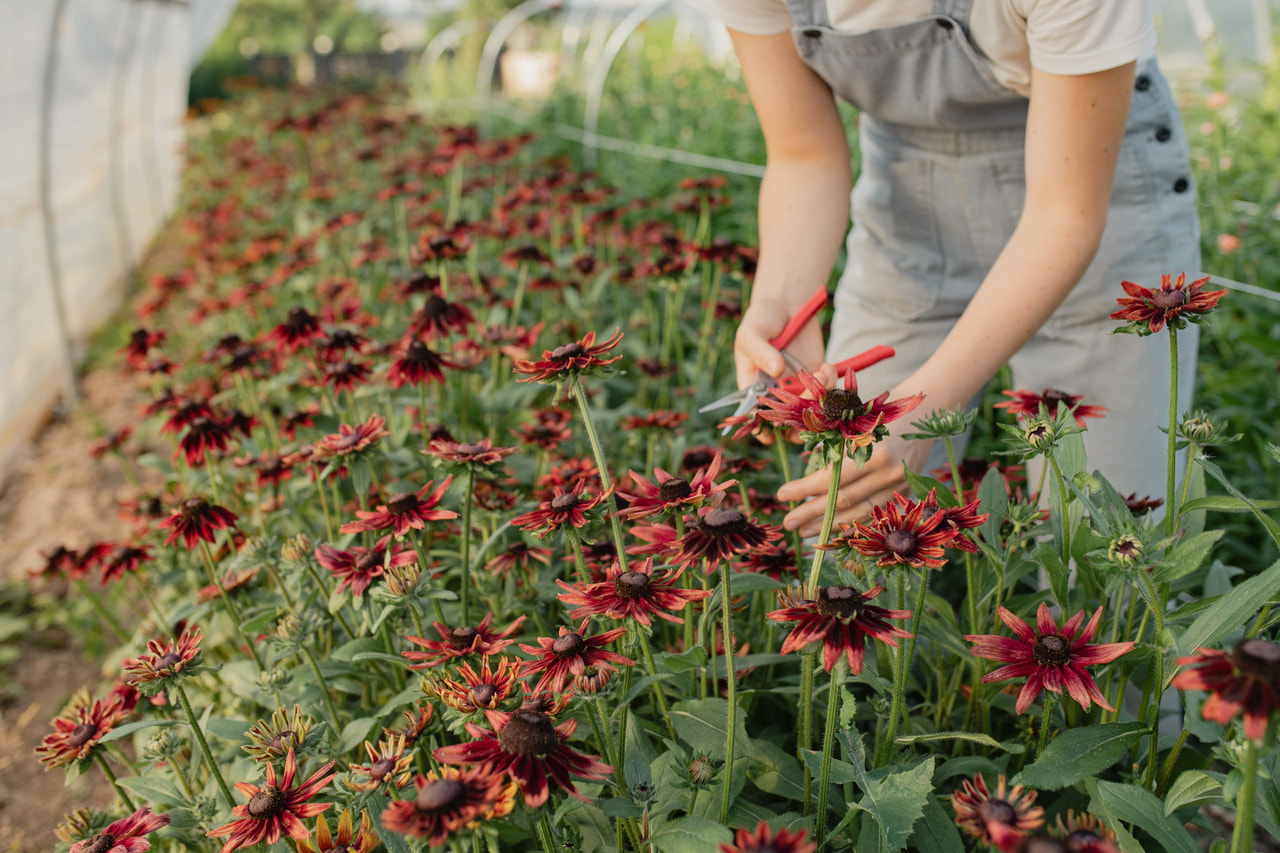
(813, 34)
(945, 23)
(1163, 134)
(1181, 185)
(1143, 83)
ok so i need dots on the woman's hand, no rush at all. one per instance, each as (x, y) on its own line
(860, 489)
(764, 320)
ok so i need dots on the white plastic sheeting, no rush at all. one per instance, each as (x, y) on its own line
(92, 94)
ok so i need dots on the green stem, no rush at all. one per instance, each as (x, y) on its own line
(466, 546)
(1045, 723)
(726, 615)
(324, 589)
(602, 464)
(1170, 509)
(324, 690)
(900, 673)
(1066, 515)
(647, 654)
(545, 836)
(833, 491)
(828, 745)
(1167, 773)
(579, 559)
(181, 695)
(1242, 835)
(105, 615)
(522, 280)
(804, 739)
(111, 777)
(232, 610)
(915, 632)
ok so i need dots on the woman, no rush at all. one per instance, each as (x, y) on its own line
(1019, 159)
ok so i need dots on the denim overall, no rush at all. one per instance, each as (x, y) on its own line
(940, 190)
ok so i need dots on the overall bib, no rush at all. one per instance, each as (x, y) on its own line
(940, 190)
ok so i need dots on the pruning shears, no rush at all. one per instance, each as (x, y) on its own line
(746, 399)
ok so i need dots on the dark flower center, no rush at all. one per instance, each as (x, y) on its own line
(1082, 836)
(381, 769)
(1054, 396)
(567, 645)
(168, 661)
(529, 733)
(1167, 300)
(631, 585)
(843, 602)
(367, 561)
(900, 543)
(417, 351)
(1042, 844)
(566, 351)
(839, 404)
(436, 307)
(101, 844)
(469, 450)
(267, 803)
(565, 502)
(724, 522)
(461, 637)
(440, 242)
(402, 503)
(997, 811)
(675, 489)
(1051, 650)
(1259, 659)
(82, 734)
(482, 695)
(193, 507)
(439, 795)
(299, 320)
(697, 459)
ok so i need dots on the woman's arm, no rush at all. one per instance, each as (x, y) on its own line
(804, 198)
(1074, 130)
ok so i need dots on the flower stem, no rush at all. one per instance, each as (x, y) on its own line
(833, 491)
(324, 689)
(545, 836)
(900, 674)
(1242, 835)
(227, 603)
(602, 464)
(466, 546)
(804, 739)
(1066, 516)
(647, 653)
(124, 798)
(828, 746)
(579, 559)
(1045, 723)
(726, 615)
(181, 695)
(522, 279)
(1170, 507)
(104, 614)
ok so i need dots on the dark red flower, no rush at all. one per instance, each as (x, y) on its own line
(345, 375)
(141, 341)
(1029, 403)
(196, 519)
(1139, 505)
(633, 594)
(1084, 833)
(165, 660)
(842, 619)
(404, 511)
(276, 808)
(204, 434)
(464, 641)
(82, 725)
(779, 562)
(298, 330)
(670, 494)
(61, 560)
(839, 410)
(1002, 821)
(1247, 679)
(519, 555)
(110, 443)
(121, 559)
(450, 800)
(1173, 303)
(125, 835)
(357, 567)
(352, 439)
(480, 453)
(570, 358)
(903, 532)
(563, 508)
(528, 746)
(485, 690)
(1049, 658)
(656, 421)
(570, 654)
(764, 840)
(417, 364)
(436, 318)
(720, 534)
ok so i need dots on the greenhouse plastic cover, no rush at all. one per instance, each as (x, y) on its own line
(91, 141)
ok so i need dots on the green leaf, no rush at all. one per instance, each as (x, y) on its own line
(1116, 803)
(921, 485)
(702, 723)
(995, 502)
(896, 801)
(971, 737)
(691, 835)
(1192, 788)
(356, 732)
(130, 728)
(382, 656)
(937, 833)
(693, 658)
(1079, 754)
(225, 728)
(1229, 612)
(1227, 503)
(1048, 558)
(378, 803)
(1272, 526)
(745, 582)
(776, 771)
(154, 789)
(1187, 557)
(841, 771)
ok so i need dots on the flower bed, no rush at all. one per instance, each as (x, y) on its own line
(443, 518)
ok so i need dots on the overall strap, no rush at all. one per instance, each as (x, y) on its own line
(958, 10)
(809, 13)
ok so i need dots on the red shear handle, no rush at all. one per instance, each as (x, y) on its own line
(861, 361)
(807, 310)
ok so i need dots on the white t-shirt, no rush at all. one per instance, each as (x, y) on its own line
(1058, 36)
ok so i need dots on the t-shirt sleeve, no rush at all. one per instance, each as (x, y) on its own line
(1084, 36)
(754, 17)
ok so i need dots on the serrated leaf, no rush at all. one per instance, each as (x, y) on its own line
(130, 728)
(1271, 525)
(1116, 803)
(1187, 557)
(1192, 788)
(691, 835)
(693, 658)
(356, 732)
(896, 801)
(1079, 754)
(841, 771)
(921, 486)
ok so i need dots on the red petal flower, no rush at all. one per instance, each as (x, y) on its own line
(634, 594)
(276, 808)
(842, 619)
(1028, 403)
(404, 512)
(1247, 679)
(570, 654)
(1172, 304)
(124, 835)
(570, 358)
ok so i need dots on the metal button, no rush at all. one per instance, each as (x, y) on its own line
(1163, 134)
(813, 34)
(1181, 185)
(945, 23)
(1143, 83)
